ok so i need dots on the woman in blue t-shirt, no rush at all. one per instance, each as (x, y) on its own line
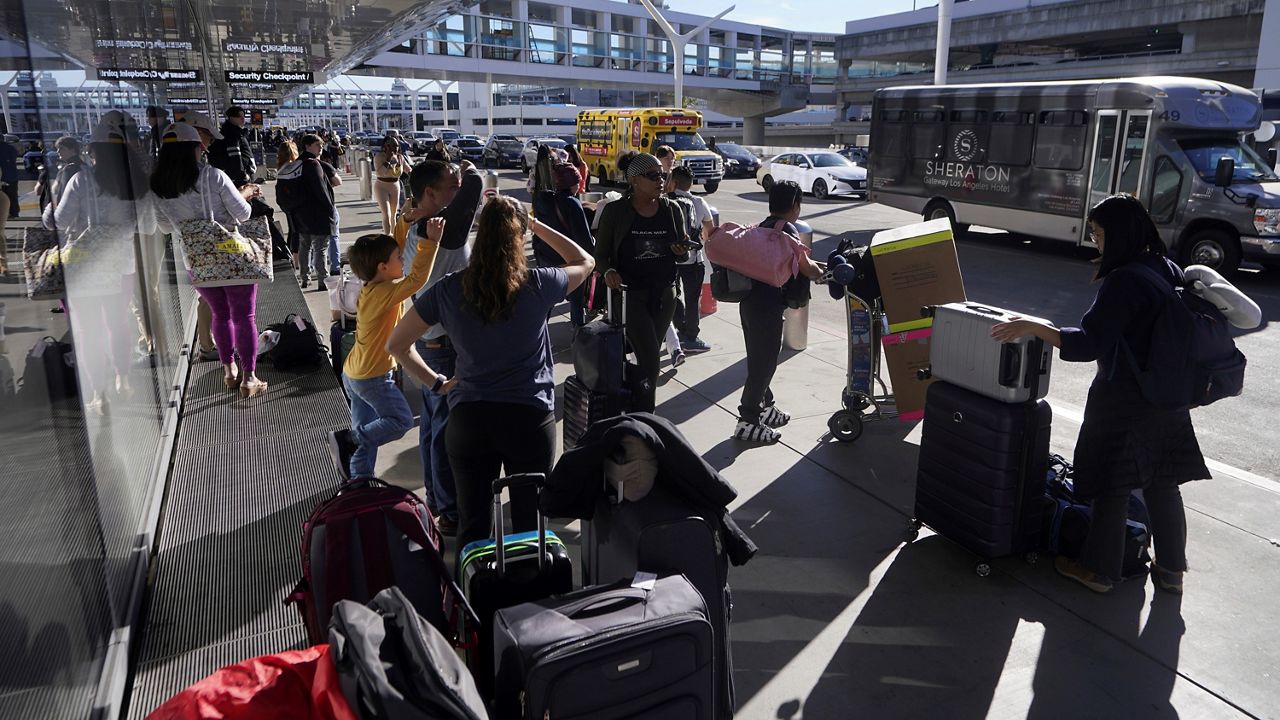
(502, 396)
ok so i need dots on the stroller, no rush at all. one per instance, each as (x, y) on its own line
(865, 397)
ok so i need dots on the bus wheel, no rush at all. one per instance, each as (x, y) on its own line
(1213, 248)
(766, 182)
(712, 186)
(820, 189)
(939, 209)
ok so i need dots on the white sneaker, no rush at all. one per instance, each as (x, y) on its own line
(774, 418)
(756, 432)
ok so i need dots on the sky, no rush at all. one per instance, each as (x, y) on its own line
(804, 15)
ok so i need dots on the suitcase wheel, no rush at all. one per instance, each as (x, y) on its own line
(845, 426)
(1032, 557)
(983, 568)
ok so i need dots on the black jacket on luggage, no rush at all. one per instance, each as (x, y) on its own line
(576, 482)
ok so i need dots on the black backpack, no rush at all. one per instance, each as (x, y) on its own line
(290, 196)
(1193, 360)
(50, 373)
(299, 347)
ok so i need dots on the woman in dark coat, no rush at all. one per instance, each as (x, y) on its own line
(1125, 442)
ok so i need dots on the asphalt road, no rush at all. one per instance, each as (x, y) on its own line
(1049, 280)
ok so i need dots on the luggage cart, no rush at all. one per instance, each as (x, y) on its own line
(865, 397)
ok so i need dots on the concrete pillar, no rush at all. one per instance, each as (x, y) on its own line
(1189, 35)
(1267, 72)
(520, 11)
(564, 25)
(753, 130)
(729, 53)
(942, 54)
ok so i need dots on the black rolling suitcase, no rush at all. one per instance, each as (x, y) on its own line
(599, 388)
(982, 472)
(522, 568)
(618, 651)
(661, 535)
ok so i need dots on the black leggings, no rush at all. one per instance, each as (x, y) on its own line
(1104, 546)
(485, 440)
(649, 315)
(761, 314)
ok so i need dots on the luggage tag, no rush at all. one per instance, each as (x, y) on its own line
(644, 580)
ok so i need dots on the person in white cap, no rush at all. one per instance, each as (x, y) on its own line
(204, 125)
(102, 211)
(187, 189)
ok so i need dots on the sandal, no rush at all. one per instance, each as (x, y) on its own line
(252, 388)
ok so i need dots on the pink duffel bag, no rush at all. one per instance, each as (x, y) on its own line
(761, 253)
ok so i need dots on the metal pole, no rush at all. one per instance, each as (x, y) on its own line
(4, 104)
(943, 51)
(488, 78)
(678, 43)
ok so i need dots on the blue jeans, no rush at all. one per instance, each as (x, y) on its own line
(335, 257)
(437, 475)
(379, 415)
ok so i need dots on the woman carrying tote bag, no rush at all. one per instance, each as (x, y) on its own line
(191, 198)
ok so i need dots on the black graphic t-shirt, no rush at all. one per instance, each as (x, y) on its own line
(645, 259)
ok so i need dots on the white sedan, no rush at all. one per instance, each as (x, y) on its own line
(821, 172)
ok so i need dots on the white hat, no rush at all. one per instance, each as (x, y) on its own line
(180, 132)
(106, 132)
(203, 122)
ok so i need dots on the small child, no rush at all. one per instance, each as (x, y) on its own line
(379, 412)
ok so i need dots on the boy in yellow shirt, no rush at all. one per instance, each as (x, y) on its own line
(379, 412)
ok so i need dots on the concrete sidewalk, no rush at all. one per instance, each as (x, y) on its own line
(838, 617)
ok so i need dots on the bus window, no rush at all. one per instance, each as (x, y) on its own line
(1103, 152)
(1015, 134)
(927, 131)
(1166, 187)
(893, 132)
(1060, 140)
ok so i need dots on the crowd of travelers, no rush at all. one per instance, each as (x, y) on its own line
(475, 334)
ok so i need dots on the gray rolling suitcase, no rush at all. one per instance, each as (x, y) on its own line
(961, 352)
(607, 653)
(662, 535)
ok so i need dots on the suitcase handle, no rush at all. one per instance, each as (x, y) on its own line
(499, 529)
(612, 602)
(609, 316)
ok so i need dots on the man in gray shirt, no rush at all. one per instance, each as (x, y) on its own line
(453, 192)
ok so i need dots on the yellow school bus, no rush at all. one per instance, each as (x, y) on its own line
(606, 134)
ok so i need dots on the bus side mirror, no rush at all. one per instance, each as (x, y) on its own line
(1226, 170)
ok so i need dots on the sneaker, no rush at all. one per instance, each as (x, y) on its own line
(1167, 580)
(210, 354)
(320, 284)
(774, 418)
(756, 432)
(695, 346)
(448, 526)
(1069, 568)
(304, 283)
(678, 359)
(342, 445)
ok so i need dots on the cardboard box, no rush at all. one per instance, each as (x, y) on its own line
(916, 266)
(904, 354)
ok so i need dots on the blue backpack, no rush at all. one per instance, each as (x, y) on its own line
(1193, 360)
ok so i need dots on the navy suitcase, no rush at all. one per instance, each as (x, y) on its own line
(982, 470)
(600, 351)
(524, 567)
(607, 653)
(661, 535)
(583, 408)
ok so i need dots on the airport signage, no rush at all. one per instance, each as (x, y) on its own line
(142, 44)
(187, 101)
(271, 76)
(238, 46)
(255, 102)
(156, 74)
(253, 86)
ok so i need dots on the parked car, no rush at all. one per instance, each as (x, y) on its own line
(470, 149)
(503, 153)
(420, 142)
(738, 161)
(856, 155)
(821, 172)
(530, 154)
(448, 134)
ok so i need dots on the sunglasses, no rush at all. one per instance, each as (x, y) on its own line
(655, 176)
